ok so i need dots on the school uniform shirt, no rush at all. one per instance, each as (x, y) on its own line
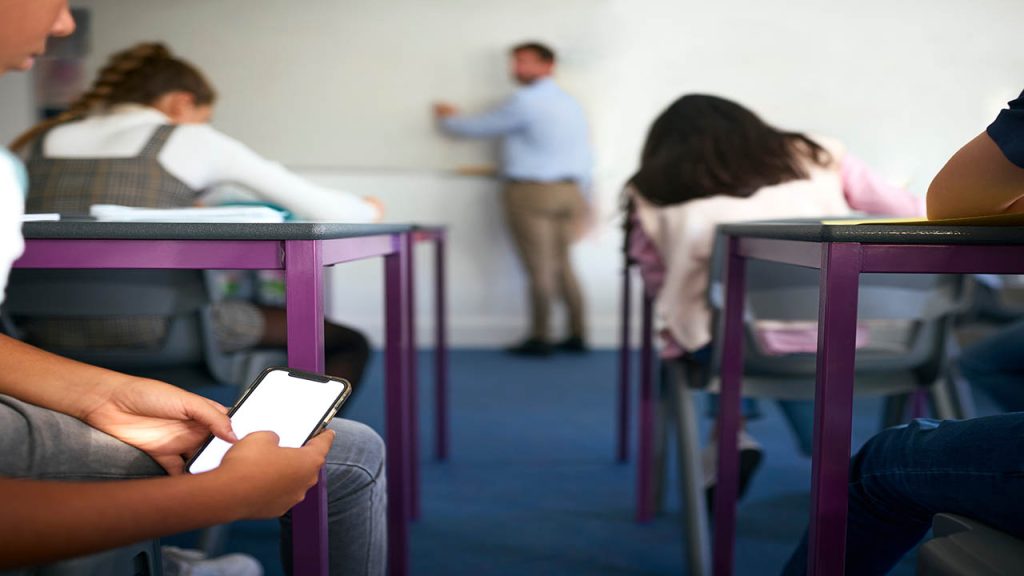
(12, 201)
(545, 132)
(201, 158)
(1008, 131)
(673, 244)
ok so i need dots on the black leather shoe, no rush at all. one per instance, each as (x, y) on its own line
(572, 345)
(530, 347)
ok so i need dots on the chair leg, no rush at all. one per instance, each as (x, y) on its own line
(959, 387)
(684, 412)
(213, 539)
(943, 404)
(895, 411)
(662, 423)
(960, 393)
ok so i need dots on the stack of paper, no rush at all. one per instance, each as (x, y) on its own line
(40, 217)
(248, 214)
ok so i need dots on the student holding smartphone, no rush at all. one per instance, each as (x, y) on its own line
(65, 425)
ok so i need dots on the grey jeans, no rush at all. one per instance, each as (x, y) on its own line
(46, 445)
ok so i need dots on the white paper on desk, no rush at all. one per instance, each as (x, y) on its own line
(247, 214)
(40, 217)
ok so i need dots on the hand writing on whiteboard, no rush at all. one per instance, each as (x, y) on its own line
(444, 110)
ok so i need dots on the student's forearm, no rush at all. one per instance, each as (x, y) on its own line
(46, 521)
(977, 181)
(51, 381)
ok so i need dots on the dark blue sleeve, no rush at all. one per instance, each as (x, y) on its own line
(1008, 131)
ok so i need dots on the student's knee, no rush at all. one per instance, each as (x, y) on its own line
(356, 459)
(349, 346)
(360, 347)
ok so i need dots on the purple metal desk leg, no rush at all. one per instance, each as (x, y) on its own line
(833, 395)
(305, 311)
(622, 433)
(440, 349)
(645, 450)
(729, 413)
(413, 378)
(396, 411)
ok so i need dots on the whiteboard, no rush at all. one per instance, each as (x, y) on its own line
(349, 84)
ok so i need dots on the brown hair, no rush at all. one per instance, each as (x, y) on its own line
(704, 146)
(138, 75)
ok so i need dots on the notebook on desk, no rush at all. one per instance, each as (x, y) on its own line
(40, 217)
(225, 214)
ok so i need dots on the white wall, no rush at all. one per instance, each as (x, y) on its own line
(15, 105)
(903, 84)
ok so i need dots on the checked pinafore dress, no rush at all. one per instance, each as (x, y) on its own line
(69, 186)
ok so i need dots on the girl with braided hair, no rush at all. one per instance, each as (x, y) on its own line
(145, 119)
(139, 137)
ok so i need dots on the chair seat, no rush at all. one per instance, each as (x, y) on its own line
(799, 388)
(965, 547)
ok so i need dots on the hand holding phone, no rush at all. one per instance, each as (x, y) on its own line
(292, 404)
(268, 479)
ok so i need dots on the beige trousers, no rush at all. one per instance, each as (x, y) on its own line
(545, 219)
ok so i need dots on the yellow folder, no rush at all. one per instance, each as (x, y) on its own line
(1016, 219)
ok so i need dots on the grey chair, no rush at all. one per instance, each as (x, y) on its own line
(966, 547)
(183, 296)
(900, 363)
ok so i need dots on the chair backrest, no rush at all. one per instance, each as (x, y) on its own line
(95, 293)
(923, 305)
(178, 295)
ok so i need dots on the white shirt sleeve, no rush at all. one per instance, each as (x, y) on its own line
(12, 206)
(202, 157)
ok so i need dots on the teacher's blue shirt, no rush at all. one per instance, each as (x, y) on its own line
(545, 132)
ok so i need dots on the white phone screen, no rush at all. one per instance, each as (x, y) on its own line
(289, 406)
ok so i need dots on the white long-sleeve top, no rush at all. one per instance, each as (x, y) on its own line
(202, 158)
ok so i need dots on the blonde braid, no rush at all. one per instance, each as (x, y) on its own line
(104, 88)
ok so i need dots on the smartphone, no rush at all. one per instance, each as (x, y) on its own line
(293, 404)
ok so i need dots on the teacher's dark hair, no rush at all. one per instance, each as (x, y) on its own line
(704, 146)
(542, 51)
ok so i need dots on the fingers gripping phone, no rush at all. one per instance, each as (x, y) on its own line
(293, 404)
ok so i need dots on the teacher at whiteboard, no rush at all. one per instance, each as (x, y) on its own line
(545, 163)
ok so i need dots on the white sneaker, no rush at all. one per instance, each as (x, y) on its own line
(182, 562)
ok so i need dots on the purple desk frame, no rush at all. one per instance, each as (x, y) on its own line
(437, 235)
(303, 259)
(842, 253)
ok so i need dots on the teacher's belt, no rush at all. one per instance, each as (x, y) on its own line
(556, 181)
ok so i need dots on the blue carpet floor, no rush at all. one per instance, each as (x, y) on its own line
(532, 487)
